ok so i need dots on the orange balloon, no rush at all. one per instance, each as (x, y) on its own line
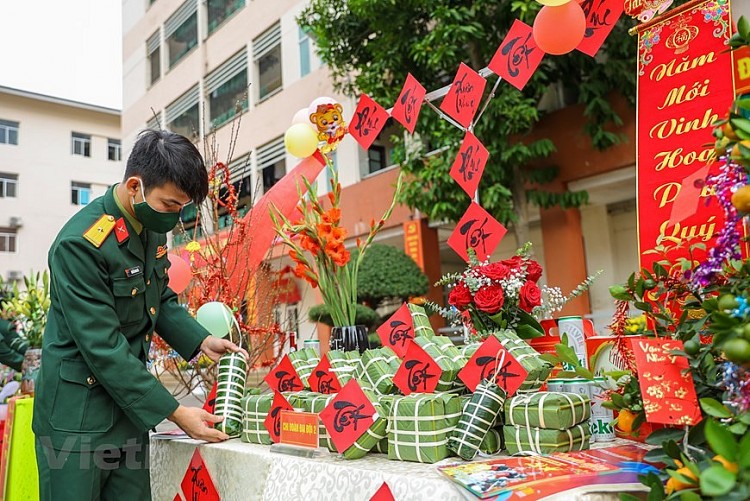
(179, 273)
(559, 30)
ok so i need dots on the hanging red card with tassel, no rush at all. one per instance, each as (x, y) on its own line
(518, 56)
(348, 415)
(409, 103)
(322, 379)
(465, 94)
(469, 164)
(273, 420)
(477, 230)
(368, 120)
(418, 373)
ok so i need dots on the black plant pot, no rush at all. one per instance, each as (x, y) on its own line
(349, 338)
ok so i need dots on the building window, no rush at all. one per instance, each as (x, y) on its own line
(183, 114)
(80, 193)
(114, 151)
(8, 132)
(267, 54)
(181, 31)
(272, 163)
(8, 240)
(376, 158)
(82, 144)
(304, 52)
(153, 51)
(219, 10)
(8, 185)
(226, 88)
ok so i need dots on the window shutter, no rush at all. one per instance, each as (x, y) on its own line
(226, 71)
(181, 15)
(182, 104)
(266, 42)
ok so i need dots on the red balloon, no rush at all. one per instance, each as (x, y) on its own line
(179, 273)
(559, 30)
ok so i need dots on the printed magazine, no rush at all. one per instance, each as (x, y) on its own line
(536, 477)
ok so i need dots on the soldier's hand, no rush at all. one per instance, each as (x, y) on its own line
(192, 420)
(215, 347)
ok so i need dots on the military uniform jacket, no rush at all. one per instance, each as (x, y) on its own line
(93, 387)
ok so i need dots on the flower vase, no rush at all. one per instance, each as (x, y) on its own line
(349, 338)
(32, 361)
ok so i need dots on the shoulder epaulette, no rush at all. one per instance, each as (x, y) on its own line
(100, 230)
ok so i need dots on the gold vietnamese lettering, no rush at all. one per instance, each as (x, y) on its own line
(673, 68)
(680, 233)
(667, 193)
(676, 158)
(674, 126)
(684, 93)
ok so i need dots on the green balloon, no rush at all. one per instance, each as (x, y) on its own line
(216, 318)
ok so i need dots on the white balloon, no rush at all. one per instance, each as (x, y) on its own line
(301, 117)
(318, 101)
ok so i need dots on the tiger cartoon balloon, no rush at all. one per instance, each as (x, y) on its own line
(328, 119)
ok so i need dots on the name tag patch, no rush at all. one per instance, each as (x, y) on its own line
(131, 272)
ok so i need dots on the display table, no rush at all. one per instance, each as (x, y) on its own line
(242, 471)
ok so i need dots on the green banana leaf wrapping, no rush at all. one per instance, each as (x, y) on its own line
(297, 399)
(304, 362)
(421, 321)
(374, 434)
(316, 402)
(230, 389)
(493, 442)
(478, 417)
(382, 446)
(456, 356)
(468, 350)
(419, 426)
(386, 402)
(449, 368)
(551, 410)
(255, 410)
(374, 372)
(537, 368)
(342, 365)
(541, 441)
(391, 358)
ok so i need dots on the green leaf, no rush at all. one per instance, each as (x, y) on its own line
(549, 357)
(744, 452)
(745, 417)
(689, 496)
(567, 354)
(721, 440)
(743, 27)
(617, 400)
(717, 481)
(738, 428)
(584, 373)
(624, 496)
(659, 436)
(714, 408)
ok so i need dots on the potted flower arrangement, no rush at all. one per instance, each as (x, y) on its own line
(503, 295)
(29, 308)
(316, 246)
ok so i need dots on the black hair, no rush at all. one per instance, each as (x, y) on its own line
(161, 157)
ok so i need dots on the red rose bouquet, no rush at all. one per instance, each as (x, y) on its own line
(504, 294)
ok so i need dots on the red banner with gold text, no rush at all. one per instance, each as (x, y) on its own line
(685, 83)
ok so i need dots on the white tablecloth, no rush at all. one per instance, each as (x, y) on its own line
(243, 472)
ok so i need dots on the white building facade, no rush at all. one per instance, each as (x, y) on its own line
(55, 157)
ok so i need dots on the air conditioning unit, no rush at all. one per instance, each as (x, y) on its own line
(15, 275)
(15, 222)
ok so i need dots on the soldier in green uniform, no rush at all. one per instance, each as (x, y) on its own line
(12, 346)
(95, 399)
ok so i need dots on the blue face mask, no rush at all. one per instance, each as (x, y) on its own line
(152, 219)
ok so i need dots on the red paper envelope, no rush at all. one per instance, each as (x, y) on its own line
(409, 103)
(273, 420)
(368, 120)
(469, 164)
(197, 484)
(397, 331)
(666, 384)
(518, 56)
(284, 377)
(601, 17)
(348, 415)
(418, 373)
(492, 362)
(463, 99)
(478, 230)
(322, 379)
(383, 494)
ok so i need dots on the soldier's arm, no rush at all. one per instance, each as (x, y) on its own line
(10, 357)
(80, 283)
